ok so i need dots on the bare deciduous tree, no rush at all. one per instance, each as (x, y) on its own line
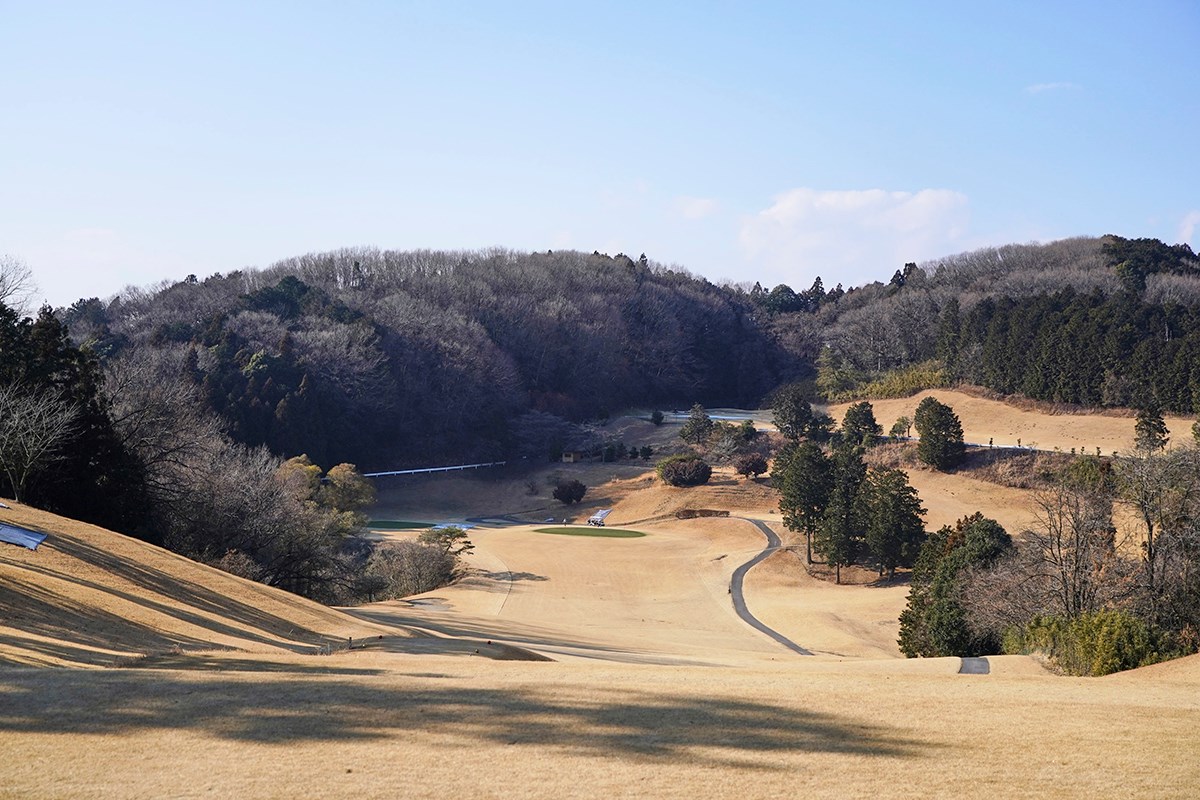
(1067, 565)
(1074, 549)
(159, 417)
(16, 284)
(33, 430)
(1163, 487)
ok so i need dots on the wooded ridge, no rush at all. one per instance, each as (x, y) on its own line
(158, 397)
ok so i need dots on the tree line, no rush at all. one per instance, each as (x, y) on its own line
(392, 359)
(130, 445)
(1102, 321)
(214, 415)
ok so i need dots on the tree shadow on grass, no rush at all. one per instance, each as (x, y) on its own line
(647, 725)
(452, 631)
(183, 591)
(45, 624)
(503, 575)
(28, 607)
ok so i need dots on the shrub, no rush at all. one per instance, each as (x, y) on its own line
(400, 569)
(900, 382)
(568, 492)
(238, 563)
(1099, 643)
(750, 465)
(906, 381)
(684, 470)
(656, 417)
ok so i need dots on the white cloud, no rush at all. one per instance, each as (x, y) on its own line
(1187, 227)
(696, 207)
(1059, 86)
(852, 236)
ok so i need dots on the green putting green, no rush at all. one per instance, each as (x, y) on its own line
(396, 525)
(591, 530)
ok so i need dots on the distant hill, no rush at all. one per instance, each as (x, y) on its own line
(395, 358)
(1089, 321)
(389, 358)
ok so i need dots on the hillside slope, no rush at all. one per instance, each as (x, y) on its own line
(88, 596)
(984, 419)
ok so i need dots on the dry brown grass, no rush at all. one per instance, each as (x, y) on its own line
(88, 596)
(658, 690)
(984, 418)
(438, 727)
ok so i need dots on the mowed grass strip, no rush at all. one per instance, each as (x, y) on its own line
(591, 530)
(396, 525)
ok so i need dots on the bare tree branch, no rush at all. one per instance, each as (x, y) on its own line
(33, 430)
(16, 284)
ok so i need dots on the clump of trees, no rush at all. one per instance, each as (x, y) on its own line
(724, 442)
(401, 569)
(568, 492)
(128, 444)
(1071, 586)
(847, 513)
(59, 447)
(276, 522)
(934, 622)
(686, 469)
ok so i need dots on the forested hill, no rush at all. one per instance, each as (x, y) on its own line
(407, 358)
(392, 359)
(388, 358)
(1090, 321)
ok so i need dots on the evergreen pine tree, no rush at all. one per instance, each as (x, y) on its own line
(941, 434)
(698, 428)
(894, 525)
(841, 529)
(1150, 431)
(804, 477)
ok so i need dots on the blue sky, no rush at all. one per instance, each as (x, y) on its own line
(743, 141)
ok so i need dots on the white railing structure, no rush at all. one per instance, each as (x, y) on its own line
(456, 468)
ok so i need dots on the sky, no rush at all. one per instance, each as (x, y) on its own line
(743, 141)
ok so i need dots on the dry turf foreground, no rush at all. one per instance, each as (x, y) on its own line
(126, 671)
